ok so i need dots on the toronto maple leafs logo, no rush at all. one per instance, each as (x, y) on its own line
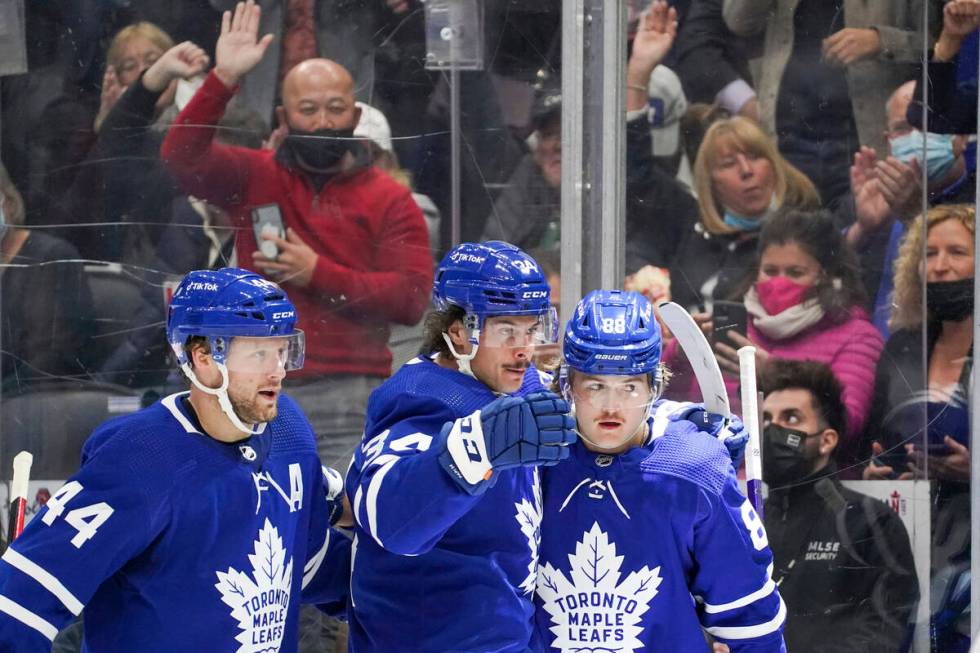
(259, 603)
(593, 612)
(529, 519)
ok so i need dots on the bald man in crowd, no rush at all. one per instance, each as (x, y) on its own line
(353, 254)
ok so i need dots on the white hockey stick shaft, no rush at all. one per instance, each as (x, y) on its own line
(750, 417)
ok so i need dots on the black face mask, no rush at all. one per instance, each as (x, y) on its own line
(784, 457)
(320, 150)
(950, 301)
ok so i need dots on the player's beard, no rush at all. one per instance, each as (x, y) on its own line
(249, 411)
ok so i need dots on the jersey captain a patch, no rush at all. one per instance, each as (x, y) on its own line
(594, 608)
(259, 598)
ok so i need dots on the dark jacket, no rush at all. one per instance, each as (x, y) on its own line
(45, 314)
(844, 568)
(122, 181)
(701, 256)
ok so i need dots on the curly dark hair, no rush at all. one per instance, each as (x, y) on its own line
(826, 392)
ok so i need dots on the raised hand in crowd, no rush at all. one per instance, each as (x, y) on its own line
(183, 61)
(112, 90)
(295, 263)
(850, 45)
(654, 38)
(960, 19)
(239, 49)
(882, 190)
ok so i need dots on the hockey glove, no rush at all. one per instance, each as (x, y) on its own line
(333, 483)
(731, 432)
(508, 432)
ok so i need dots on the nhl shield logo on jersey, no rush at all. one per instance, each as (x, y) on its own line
(260, 602)
(594, 611)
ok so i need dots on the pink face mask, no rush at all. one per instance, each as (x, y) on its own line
(779, 293)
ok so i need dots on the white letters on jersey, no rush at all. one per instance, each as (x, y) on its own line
(594, 608)
(259, 602)
(529, 518)
(263, 481)
(85, 519)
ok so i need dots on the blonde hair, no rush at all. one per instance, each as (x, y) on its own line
(907, 296)
(8, 190)
(142, 29)
(793, 188)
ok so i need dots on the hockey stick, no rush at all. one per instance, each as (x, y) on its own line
(702, 359)
(750, 417)
(712, 384)
(18, 494)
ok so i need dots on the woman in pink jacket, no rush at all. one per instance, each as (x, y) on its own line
(804, 300)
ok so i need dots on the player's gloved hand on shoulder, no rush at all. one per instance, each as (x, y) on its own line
(508, 432)
(731, 432)
(333, 482)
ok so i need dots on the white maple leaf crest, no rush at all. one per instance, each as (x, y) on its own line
(529, 518)
(593, 612)
(260, 602)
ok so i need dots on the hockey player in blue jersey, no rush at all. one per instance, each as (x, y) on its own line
(197, 523)
(646, 538)
(445, 487)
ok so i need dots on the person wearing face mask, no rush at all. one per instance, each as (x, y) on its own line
(887, 193)
(843, 561)
(922, 411)
(650, 496)
(740, 180)
(355, 253)
(804, 300)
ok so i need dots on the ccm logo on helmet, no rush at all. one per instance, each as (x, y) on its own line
(283, 315)
(535, 294)
(611, 357)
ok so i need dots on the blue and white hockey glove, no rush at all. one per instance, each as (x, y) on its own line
(508, 432)
(732, 433)
(333, 482)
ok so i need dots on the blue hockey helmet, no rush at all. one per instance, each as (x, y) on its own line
(613, 332)
(222, 304)
(493, 279)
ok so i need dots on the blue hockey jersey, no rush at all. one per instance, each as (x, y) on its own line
(435, 568)
(642, 549)
(173, 541)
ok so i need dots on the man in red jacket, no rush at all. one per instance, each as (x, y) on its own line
(355, 255)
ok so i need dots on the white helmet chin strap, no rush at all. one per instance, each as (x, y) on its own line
(463, 360)
(223, 400)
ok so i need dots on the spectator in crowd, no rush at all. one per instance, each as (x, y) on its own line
(805, 301)
(842, 559)
(888, 194)
(712, 62)
(658, 207)
(951, 97)
(921, 412)
(45, 303)
(825, 68)
(740, 179)
(134, 200)
(373, 126)
(355, 255)
(344, 31)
